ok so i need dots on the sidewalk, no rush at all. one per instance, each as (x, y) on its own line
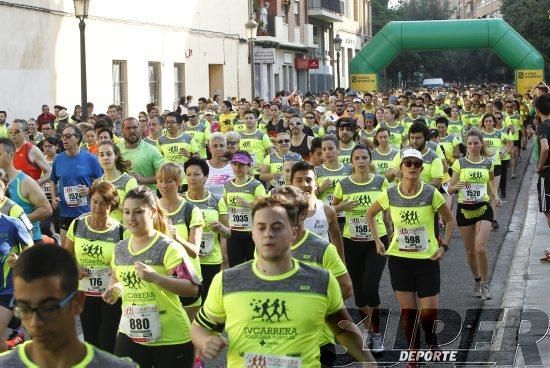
(528, 285)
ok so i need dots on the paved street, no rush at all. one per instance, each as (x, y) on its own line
(457, 283)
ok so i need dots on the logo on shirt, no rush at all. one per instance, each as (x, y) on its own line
(173, 150)
(268, 311)
(363, 200)
(383, 166)
(93, 250)
(409, 217)
(232, 201)
(476, 175)
(130, 280)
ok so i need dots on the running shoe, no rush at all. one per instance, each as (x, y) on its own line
(15, 339)
(513, 175)
(485, 292)
(377, 342)
(477, 289)
(495, 226)
(368, 340)
(57, 239)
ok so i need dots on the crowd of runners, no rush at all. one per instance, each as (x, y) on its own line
(241, 226)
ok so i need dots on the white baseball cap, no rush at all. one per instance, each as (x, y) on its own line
(411, 152)
(320, 109)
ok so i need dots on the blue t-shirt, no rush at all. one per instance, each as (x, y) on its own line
(13, 236)
(74, 175)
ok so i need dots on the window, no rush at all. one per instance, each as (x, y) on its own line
(154, 83)
(179, 82)
(296, 13)
(120, 85)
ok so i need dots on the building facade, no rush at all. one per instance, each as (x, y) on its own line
(474, 9)
(294, 48)
(137, 52)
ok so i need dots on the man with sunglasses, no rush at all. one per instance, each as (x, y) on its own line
(47, 300)
(300, 142)
(28, 158)
(176, 146)
(272, 167)
(198, 129)
(432, 168)
(73, 173)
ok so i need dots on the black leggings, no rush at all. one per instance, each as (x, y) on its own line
(503, 176)
(365, 268)
(100, 322)
(240, 247)
(208, 272)
(158, 356)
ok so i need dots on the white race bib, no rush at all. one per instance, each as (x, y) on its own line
(141, 323)
(473, 193)
(207, 244)
(75, 195)
(412, 239)
(240, 218)
(97, 282)
(358, 228)
(252, 360)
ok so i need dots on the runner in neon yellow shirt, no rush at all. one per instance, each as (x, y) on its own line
(143, 269)
(354, 195)
(473, 181)
(414, 251)
(254, 298)
(91, 238)
(46, 287)
(213, 247)
(185, 223)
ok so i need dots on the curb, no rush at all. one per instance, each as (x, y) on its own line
(515, 283)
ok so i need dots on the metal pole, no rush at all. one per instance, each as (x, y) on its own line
(252, 76)
(83, 86)
(338, 68)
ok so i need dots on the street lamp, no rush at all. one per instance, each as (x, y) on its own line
(81, 12)
(337, 47)
(251, 29)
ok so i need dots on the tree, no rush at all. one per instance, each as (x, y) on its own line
(530, 19)
(423, 10)
(381, 14)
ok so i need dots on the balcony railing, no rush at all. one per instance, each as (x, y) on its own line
(335, 6)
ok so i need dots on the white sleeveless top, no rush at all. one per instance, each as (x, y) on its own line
(217, 178)
(318, 223)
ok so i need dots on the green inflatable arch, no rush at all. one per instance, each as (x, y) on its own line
(433, 35)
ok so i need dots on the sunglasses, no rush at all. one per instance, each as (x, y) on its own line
(280, 141)
(295, 123)
(310, 117)
(416, 164)
(191, 116)
(14, 131)
(68, 136)
(232, 143)
(331, 131)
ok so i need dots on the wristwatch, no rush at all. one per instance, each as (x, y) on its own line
(445, 246)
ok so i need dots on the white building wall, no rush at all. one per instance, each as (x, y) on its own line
(40, 62)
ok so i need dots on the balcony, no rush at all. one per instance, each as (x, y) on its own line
(329, 11)
(276, 33)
